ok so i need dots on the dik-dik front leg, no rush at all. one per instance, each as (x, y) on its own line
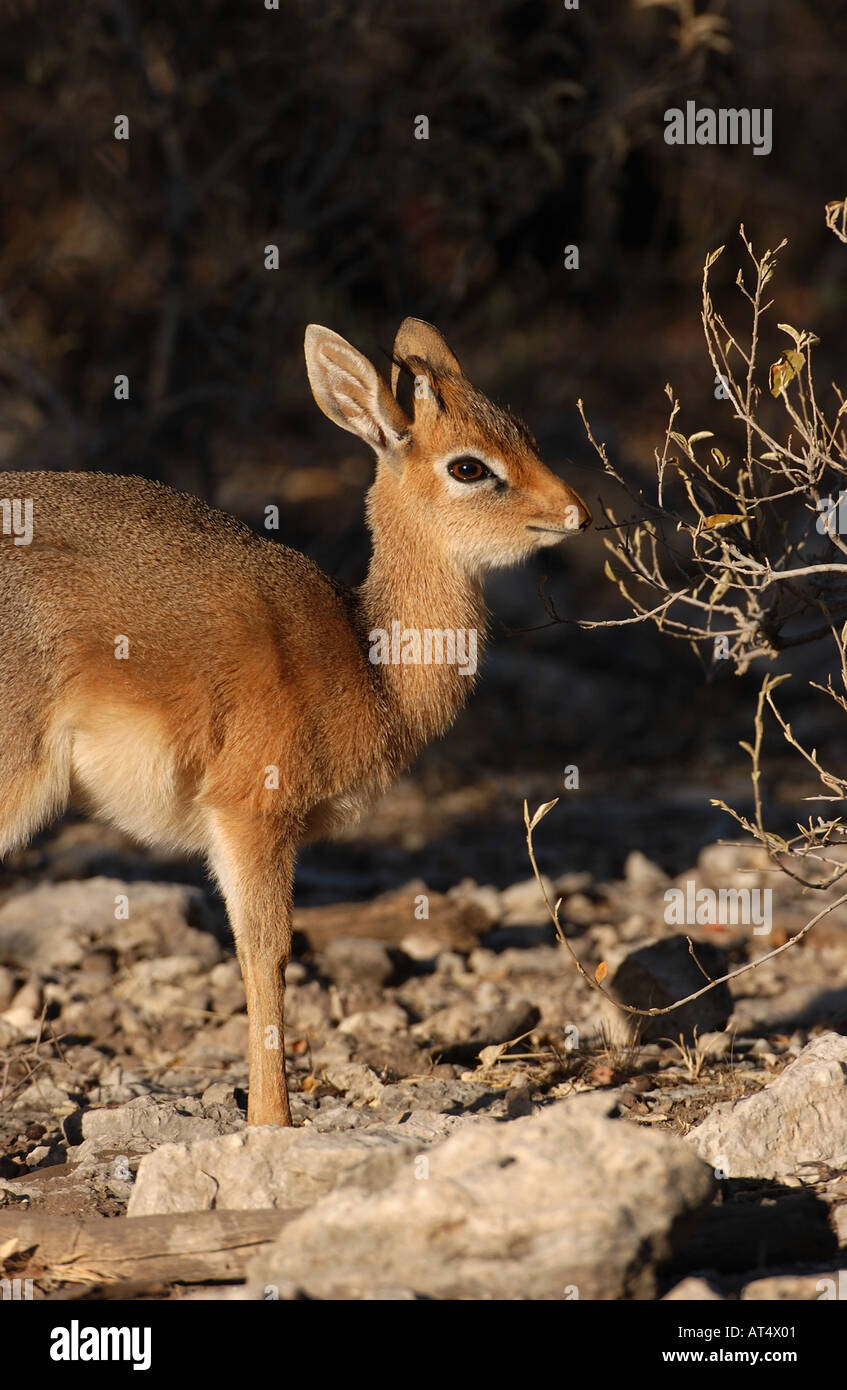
(254, 864)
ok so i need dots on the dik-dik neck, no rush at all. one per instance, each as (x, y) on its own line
(422, 619)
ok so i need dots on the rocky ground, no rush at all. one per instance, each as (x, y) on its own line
(472, 1119)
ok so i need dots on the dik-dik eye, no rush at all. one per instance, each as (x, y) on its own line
(468, 470)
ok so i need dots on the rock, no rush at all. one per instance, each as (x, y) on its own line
(460, 1031)
(219, 1046)
(339, 1047)
(657, 975)
(550, 962)
(221, 1093)
(576, 881)
(800, 1118)
(24, 1011)
(518, 1101)
(642, 874)
(483, 896)
(155, 1120)
(523, 903)
(227, 987)
(389, 1018)
(839, 1223)
(798, 1004)
(735, 866)
(37, 1155)
(269, 1167)
(393, 1058)
(45, 1094)
(797, 1287)
(308, 1010)
(482, 961)
(56, 924)
(8, 987)
(356, 1081)
(143, 975)
(356, 960)
(451, 963)
(716, 1044)
(530, 1209)
(436, 1095)
(693, 1290)
(421, 945)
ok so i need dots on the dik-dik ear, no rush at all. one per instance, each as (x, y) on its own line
(418, 340)
(352, 394)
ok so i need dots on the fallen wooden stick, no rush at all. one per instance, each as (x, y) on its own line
(194, 1248)
(390, 918)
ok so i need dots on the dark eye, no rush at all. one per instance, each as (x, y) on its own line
(468, 470)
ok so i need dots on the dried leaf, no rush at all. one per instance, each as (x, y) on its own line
(601, 972)
(721, 586)
(701, 434)
(542, 812)
(490, 1055)
(722, 519)
(720, 459)
(784, 369)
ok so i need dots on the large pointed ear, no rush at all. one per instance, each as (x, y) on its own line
(418, 339)
(349, 390)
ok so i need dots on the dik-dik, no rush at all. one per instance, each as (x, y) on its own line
(210, 691)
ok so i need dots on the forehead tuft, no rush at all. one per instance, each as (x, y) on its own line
(463, 404)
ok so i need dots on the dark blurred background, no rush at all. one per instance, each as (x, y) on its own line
(296, 127)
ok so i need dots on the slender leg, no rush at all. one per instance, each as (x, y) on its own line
(254, 864)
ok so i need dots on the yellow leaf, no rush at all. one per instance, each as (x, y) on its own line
(601, 972)
(792, 332)
(720, 459)
(722, 519)
(721, 586)
(787, 366)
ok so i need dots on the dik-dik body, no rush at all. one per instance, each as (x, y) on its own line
(211, 691)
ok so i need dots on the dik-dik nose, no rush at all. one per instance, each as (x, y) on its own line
(583, 515)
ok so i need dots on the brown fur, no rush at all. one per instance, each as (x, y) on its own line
(244, 656)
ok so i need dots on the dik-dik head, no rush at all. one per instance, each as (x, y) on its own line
(464, 473)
